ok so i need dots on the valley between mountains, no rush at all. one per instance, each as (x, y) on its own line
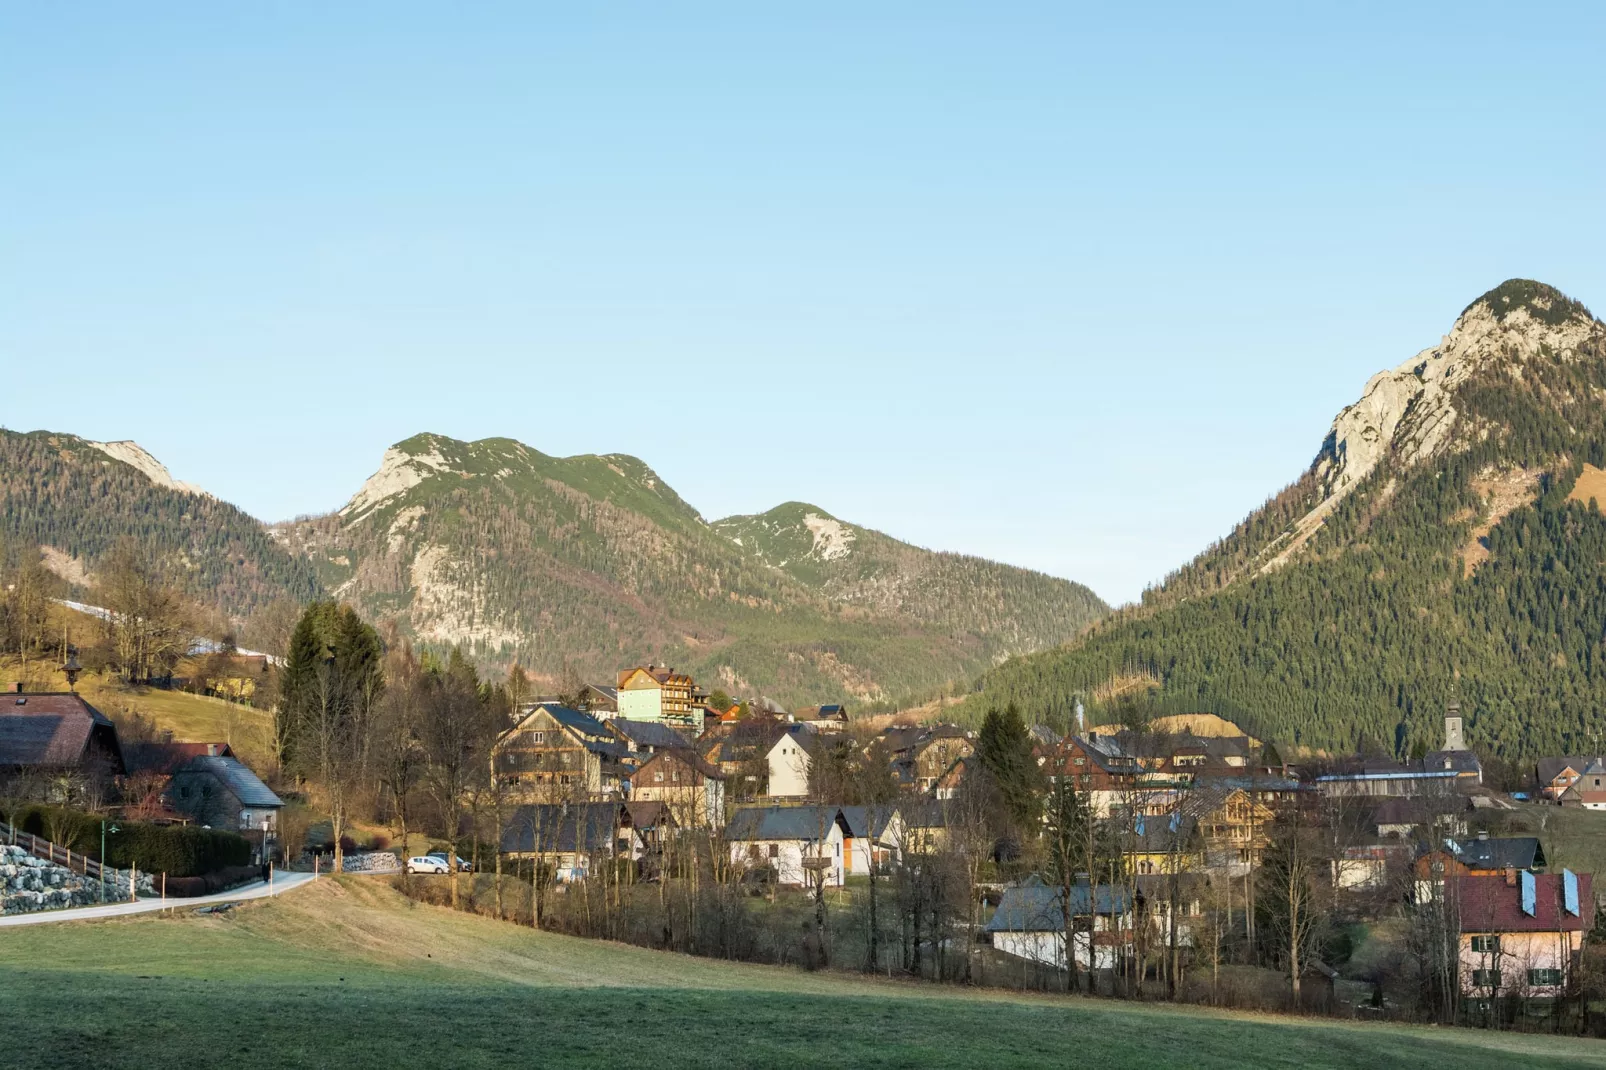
(1444, 544)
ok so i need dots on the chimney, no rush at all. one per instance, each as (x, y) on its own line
(17, 687)
(1511, 876)
(1483, 834)
(1452, 728)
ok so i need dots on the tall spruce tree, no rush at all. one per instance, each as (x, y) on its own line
(1004, 749)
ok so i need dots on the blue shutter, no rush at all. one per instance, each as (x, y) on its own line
(1569, 891)
(1530, 894)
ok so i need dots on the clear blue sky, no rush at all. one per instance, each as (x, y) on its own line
(1074, 289)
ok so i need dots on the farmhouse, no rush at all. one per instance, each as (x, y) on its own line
(1030, 924)
(555, 752)
(59, 738)
(794, 841)
(220, 791)
(574, 838)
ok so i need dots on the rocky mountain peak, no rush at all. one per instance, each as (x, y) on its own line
(404, 466)
(137, 457)
(1410, 409)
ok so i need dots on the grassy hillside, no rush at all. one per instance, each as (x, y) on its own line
(349, 974)
(191, 718)
(1457, 568)
(585, 564)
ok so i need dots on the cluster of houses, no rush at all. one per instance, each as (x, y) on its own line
(69, 752)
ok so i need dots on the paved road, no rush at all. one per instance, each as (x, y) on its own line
(281, 882)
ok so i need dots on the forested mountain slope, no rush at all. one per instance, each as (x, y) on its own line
(77, 498)
(1430, 552)
(580, 565)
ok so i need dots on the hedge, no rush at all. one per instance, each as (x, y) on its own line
(177, 850)
(220, 881)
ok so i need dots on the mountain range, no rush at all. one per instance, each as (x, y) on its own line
(574, 566)
(1445, 544)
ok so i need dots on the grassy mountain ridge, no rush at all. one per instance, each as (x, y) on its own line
(1020, 610)
(585, 563)
(1357, 602)
(67, 493)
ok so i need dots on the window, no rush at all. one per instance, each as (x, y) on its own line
(1486, 978)
(775, 850)
(1486, 945)
(1080, 761)
(1544, 977)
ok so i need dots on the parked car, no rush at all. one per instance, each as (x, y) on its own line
(426, 864)
(462, 866)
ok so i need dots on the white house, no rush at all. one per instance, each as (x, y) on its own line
(789, 761)
(792, 840)
(1030, 924)
(872, 831)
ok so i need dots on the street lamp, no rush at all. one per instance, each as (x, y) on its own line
(103, 831)
(71, 669)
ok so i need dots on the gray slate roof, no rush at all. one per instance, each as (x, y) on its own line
(244, 784)
(650, 734)
(782, 823)
(1516, 852)
(1036, 907)
(866, 822)
(582, 827)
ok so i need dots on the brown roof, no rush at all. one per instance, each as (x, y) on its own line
(165, 758)
(686, 757)
(52, 730)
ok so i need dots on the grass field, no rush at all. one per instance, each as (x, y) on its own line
(349, 974)
(189, 717)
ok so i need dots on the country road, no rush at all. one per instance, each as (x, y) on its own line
(281, 883)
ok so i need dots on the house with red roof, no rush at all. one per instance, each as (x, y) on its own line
(1521, 934)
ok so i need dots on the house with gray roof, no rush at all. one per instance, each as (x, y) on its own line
(794, 841)
(222, 793)
(1030, 923)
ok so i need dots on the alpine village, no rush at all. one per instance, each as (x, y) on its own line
(1346, 763)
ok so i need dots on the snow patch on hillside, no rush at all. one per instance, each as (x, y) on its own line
(134, 455)
(833, 539)
(399, 472)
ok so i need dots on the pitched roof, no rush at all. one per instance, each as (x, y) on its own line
(54, 729)
(868, 822)
(164, 759)
(1500, 852)
(1038, 907)
(651, 734)
(1548, 769)
(1489, 904)
(564, 827)
(781, 823)
(649, 815)
(685, 756)
(244, 784)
